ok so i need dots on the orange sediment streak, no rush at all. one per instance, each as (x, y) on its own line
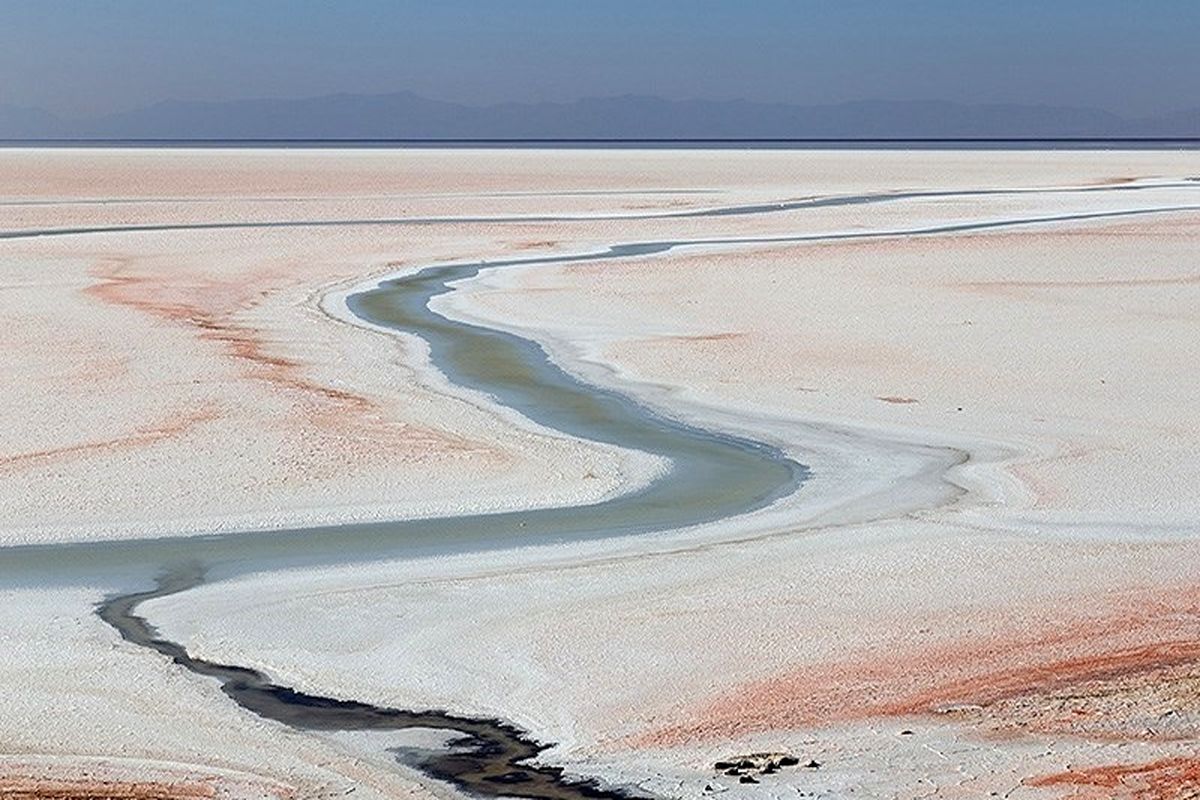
(29, 788)
(1122, 653)
(177, 425)
(209, 308)
(1164, 779)
(990, 688)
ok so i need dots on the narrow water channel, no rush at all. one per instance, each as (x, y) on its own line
(712, 476)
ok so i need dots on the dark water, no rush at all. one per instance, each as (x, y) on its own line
(487, 757)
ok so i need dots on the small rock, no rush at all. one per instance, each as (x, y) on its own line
(813, 765)
(747, 779)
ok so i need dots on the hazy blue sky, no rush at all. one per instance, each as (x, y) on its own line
(93, 56)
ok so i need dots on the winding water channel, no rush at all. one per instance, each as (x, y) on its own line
(713, 475)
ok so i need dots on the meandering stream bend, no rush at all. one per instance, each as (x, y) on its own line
(713, 476)
(487, 758)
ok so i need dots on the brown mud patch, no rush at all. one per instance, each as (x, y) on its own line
(1103, 676)
(1161, 703)
(1163, 779)
(33, 788)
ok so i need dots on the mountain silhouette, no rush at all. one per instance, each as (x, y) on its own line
(404, 115)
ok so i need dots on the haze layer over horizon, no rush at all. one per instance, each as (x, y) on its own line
(78, 59)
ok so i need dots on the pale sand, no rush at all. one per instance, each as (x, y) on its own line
(197, 386)
(1055, 594)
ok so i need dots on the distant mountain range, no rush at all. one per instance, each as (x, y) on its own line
(407, 116)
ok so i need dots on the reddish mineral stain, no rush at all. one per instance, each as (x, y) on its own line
(1164, 779)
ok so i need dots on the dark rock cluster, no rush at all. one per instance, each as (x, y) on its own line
(749, 767)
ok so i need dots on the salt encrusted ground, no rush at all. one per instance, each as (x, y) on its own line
(1035, 631)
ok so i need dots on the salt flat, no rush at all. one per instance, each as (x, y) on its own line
(986, 586)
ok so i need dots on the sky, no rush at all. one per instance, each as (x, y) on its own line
(91, 57)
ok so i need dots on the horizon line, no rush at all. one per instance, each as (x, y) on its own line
(1183, 143)
(599, 139)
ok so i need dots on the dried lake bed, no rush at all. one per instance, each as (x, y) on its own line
(933, 529)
